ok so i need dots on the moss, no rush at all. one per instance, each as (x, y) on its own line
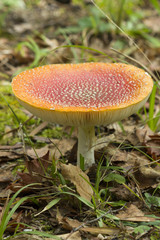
(9, 109)
(55, 132)
(20, 167)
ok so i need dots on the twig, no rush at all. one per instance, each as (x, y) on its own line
(92, 221)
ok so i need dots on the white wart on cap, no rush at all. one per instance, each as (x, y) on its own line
(83, 95)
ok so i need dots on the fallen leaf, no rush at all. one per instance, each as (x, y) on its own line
(151, 142)
(70, 224)
(117, 155)
(6, 176)
(143, 134)
(103, 142)
(77, 177)
(134, 214)
(28, 237)
(146, 175)
(14, 147)
(38, 129)
(27, 178)
(37, 166)
(5, 193)
(102, 230)
(8, 153)
(34, 153)
(36, 173)
(5, 156)
(68, 236)
(153, 146)
(61, 147)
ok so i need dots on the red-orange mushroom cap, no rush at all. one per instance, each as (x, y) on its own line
(83, 94)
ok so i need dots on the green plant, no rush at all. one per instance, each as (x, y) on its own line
(152, 200)
(12, 205)
(94, 22)
(6, 117)
(39, 53)
(152, 118)
(127, 19)
(156, 5)
(31, 3)
(12, 4)
(118, 10)
(106, 174)
(7, 214)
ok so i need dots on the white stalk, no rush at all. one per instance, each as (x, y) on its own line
(86, 142)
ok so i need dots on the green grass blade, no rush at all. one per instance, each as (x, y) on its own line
(156, 5)
(151, 108)
(49, 205)
(41, 234)
(7, 215)
(87, 203)
(10, 214)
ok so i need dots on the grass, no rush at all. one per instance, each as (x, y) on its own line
(12, 205)
(150, 116)
(102, 210)
(7, 213)
(12, 115)
(6, 116)
(154, 118)
(39, 53)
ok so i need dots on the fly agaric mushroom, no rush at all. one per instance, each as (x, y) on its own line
(83, 95)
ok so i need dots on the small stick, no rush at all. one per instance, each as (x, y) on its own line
(92, 221)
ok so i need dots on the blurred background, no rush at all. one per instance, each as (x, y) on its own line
(38, 32)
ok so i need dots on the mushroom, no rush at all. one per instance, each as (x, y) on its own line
(83, 95)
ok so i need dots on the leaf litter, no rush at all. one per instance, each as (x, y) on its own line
(132, 151)
(79, 179)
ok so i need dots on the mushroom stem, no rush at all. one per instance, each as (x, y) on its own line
(86, 142)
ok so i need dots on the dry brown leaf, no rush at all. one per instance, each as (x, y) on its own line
(70, 224)
(5, 156)
(61, 147)
(103, 230)
(34, 153)
(38, 129)
(68, 236)
(132, 210)
(6, 176)
(5, 193)
(139, 219)
(146, 175)
(103, 142)
(14, 147)
(150, 140)
(77, 177)
(117, 155)
(27, 237)
(142, 134)
(134, 214)
(153, 146)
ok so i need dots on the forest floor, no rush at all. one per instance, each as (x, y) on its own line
(124, 200)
